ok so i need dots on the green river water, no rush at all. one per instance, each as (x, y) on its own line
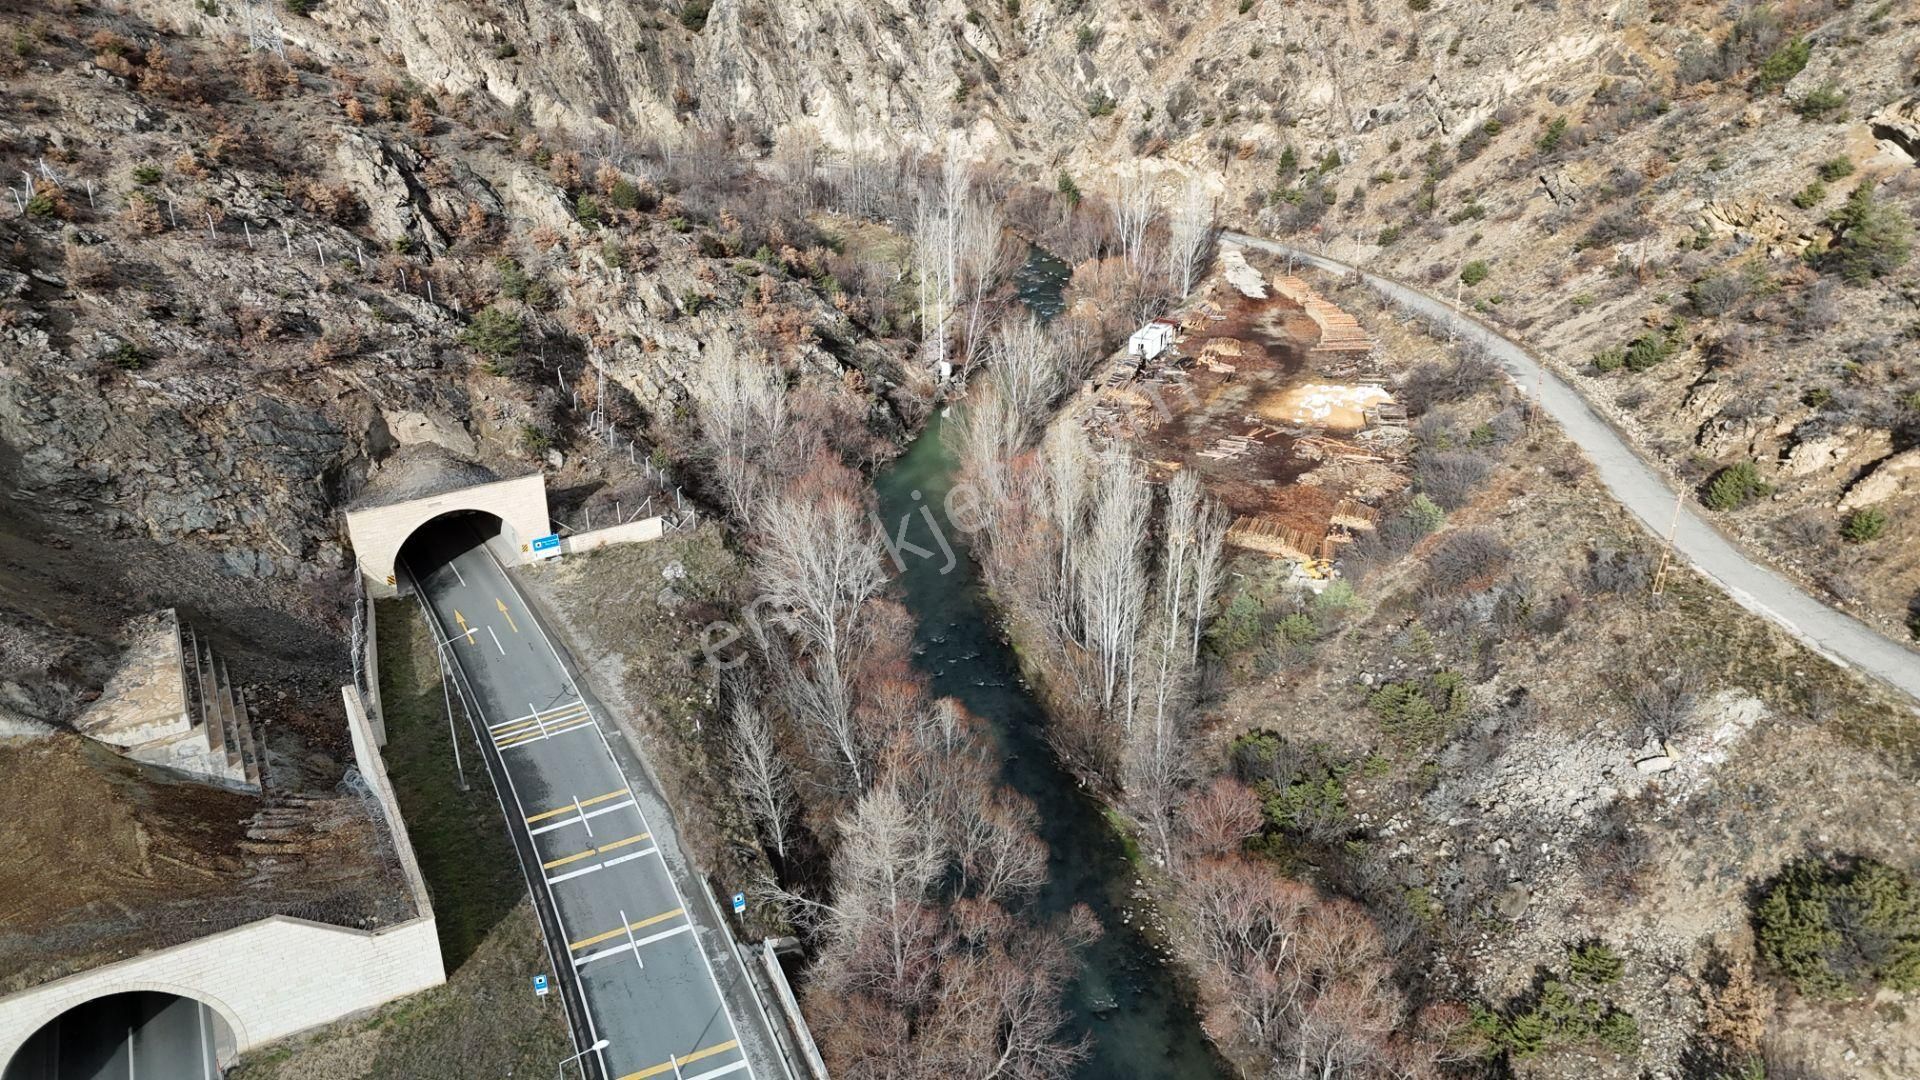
(1126, 999)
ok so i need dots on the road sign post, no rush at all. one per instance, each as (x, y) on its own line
(540, 985)
(546, 547)
(739, 903)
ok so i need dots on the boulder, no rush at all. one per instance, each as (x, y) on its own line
(1819, 453)
(1892, 476)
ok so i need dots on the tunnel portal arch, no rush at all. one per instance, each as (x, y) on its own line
(407, 496)
(169, 1030)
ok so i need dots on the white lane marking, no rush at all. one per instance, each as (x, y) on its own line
(558, 878)
(530, 738)
(476, 718)
(564, 822)
(634, 945)
(721, 1071)
(455, 567)
(496, 640)
(706, 961)
(537, 713)
(631, 944)
(584, 823)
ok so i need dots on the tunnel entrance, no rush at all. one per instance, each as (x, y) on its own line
(440, 540)
(127, 1036)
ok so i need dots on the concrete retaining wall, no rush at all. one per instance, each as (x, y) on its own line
(267, 979)
(633, 532)
(278, 976)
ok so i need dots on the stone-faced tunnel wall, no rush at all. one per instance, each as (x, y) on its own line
(377, 532)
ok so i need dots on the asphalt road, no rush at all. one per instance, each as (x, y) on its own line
(1841, 638)
(626, 933)
(123, 1037)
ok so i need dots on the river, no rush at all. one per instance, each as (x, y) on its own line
(1126, 999)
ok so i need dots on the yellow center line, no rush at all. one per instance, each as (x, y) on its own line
(596, 800)
(560, 728)
(565, 859)
(604, 848)
(521, 727)
(601, 850)
(642, 924)
(667, 1066)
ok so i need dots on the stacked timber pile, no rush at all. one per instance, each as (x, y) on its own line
(1205, 312)
(1218, 353)
(1267, 535)
(1339, 331)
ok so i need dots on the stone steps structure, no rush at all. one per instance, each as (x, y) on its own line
(173, 704)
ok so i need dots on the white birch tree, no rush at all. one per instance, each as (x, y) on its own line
(1189, 236)
(1111, 582)
(762, 774)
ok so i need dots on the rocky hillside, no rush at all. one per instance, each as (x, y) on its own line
(1669, 171)
(233, 282)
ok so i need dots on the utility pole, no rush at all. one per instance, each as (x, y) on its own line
(1666, 553)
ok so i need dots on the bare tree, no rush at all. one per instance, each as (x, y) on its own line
(818, 562)
(883, 876)
(1210, 532)
(1068, 492)
(762, 774)
(1133, 211)
(1112, 583)
(1027, 367)
(1189, 236)
(743, 420)
(986, 439)
(986, 257)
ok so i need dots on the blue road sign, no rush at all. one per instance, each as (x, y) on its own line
(546, 547)
(540, 985)
(739, 903)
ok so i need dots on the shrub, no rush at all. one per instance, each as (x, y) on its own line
(1556, 1015)
(301, 7)
(1418, 713)
(1619, 572)
(1874, 240)
(146, 174)
(1610, 358)
(1450, 477)
(494, 333)
(1837, 928)
(1424, 514)
(1810, 196)
(1435, 383)
(1653, 348)
(1554, 135)
(1475, 272)
(1716, 293)
(1779, 68)
(1735, 486)
(586, 209)
(1419, 5)
(693, 14)
(1465, 559)
(622, 195)
(1238, 627)
(1836, 168)
(1821, 103)
(1864, 525)
(1666, 706)
(1085, 39)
